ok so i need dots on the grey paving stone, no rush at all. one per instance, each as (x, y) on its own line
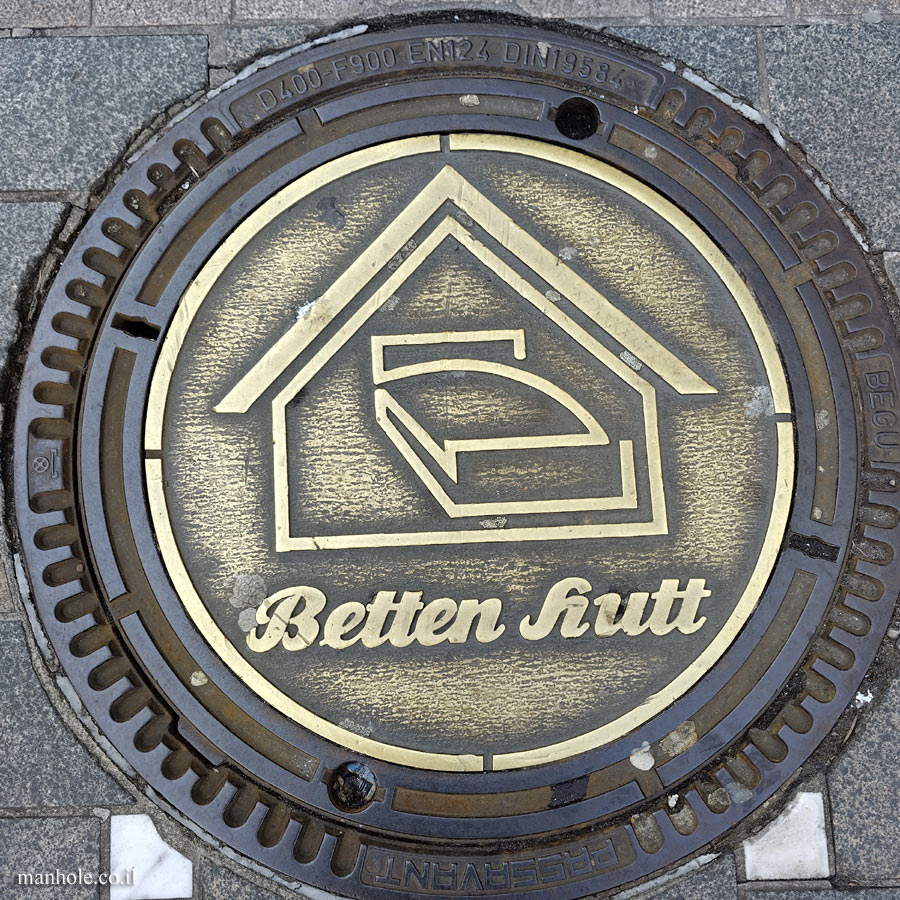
(892, 267)
(218, 76)
(218, 883)
(869, 10)
(161, 12)
(244, 43)
(25, 230)
(689, 9)
(47, 849)
(863, 786)
(347, 10)
(7, 583)
(726, 55)
(41, 762)
(714, 881)
(6, 602)
(71, 103)
(326, 10)
(825, 94)
(889, 893)
(44, 13)
(583, 9)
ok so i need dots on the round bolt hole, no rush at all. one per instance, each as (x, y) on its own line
(577, 119)
(352, 787)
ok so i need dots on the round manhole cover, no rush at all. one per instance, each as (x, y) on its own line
(459, 460)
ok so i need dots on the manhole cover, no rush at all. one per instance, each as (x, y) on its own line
(459, 460)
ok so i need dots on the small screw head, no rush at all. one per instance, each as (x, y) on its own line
(352, 786)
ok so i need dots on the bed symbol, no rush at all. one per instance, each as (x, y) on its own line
(425, 455)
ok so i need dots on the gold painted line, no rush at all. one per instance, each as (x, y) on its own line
(368, 264)
(797, 275)
(785, 283)
(560, 276)
(197, 290)
(824, 501)
(675, 217)
(769, 645)
(385, 403)
(449, 226)
(488, 104)
(601, 353)
(784, 482)
(124, 605)
(730, 277)
(162, 373)
(448, 184)
(295, 340)
(654, 463)
(220, 644)
(469, 536)
(482, 806)
(366, 311)
(283, 539)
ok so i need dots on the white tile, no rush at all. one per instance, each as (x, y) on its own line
(795, 845)
(159, 872)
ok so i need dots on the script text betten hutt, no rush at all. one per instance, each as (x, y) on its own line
(295, 617)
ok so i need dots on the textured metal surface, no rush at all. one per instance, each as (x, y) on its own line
(265, 785)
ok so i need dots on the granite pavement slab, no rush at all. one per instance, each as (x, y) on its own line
(42, 764)
(834, 88)
(71, 104)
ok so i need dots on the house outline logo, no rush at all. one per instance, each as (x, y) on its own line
(396, 242)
